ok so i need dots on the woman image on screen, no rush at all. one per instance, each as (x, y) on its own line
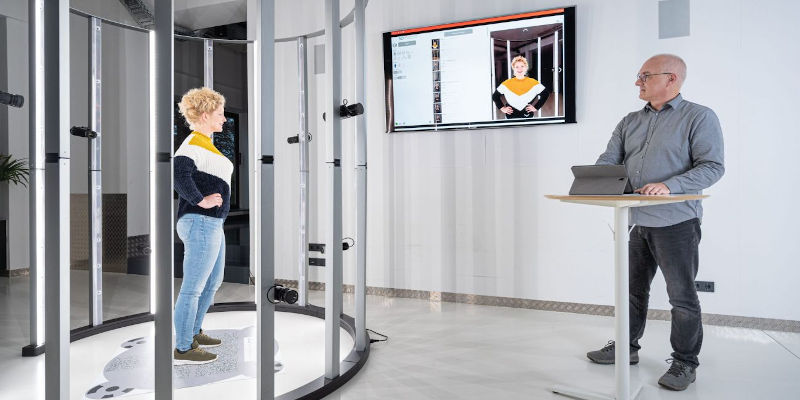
(520, 96)
(202, 180)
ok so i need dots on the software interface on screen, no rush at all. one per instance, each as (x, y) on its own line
(462, 74)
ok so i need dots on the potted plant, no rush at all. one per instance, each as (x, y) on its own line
(15, 172)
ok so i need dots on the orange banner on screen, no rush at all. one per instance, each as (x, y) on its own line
(479, 21)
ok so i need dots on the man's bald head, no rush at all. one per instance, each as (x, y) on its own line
(660, 79)
(671, 63)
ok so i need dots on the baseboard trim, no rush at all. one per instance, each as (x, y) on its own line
(735, 321)
(13, 273)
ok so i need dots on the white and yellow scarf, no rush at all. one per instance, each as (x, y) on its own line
(520, 92)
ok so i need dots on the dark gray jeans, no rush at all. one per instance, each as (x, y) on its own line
(674, 249)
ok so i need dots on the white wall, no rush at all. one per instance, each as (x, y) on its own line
(465, 211)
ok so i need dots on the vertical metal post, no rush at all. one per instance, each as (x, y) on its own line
(36, 157)
(494, 74)
(361, 182)
(539, 67)
(208, 63)
(254, 138)
(302, 262)
(163, 205)
(333, 149)
(508, 59)
(265, 276)
(57, 180)
(555, 74)
(153, 155)
(621, 306)
(95, 175)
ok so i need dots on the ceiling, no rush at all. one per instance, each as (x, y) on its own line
(199, 14)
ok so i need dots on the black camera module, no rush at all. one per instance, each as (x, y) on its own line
(13, 100)
(82, 131)
(281, 293)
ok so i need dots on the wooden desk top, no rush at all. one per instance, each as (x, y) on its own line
(628, 197)
(626, 200)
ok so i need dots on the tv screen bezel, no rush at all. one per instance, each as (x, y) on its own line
(568, 90)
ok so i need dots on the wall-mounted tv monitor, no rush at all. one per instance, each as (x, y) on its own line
(491, 72)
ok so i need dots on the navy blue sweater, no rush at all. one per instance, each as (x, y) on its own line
(200, 170)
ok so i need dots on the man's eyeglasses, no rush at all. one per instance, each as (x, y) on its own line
(643, 77)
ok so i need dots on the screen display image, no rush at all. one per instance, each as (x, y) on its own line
(492, 72)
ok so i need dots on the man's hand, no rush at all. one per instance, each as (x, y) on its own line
(530, 108)
(653, 189)
(507, 110)
(212, 200)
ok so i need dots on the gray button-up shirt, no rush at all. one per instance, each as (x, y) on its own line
(680, 146)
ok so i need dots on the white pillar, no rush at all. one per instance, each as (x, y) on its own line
(302, 98)
(333, 150)
(555, 73)
(95, 174)
(57, 181)
(361, 181)
(539, 67)
(621, 305)
(163, 205)
(208, 63)
(36, 162)
(508, 59)
(265, 274)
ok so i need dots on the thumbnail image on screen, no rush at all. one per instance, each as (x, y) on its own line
(500, 71)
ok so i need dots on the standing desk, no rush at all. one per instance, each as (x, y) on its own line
(620, 203)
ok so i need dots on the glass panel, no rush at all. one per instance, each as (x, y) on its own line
(125, 172)
(79, 171)
(230, 79)
(188, 59)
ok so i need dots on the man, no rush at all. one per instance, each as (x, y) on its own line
(669, 146)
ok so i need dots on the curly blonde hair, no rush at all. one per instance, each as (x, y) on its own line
(521, 59)
(198, 101)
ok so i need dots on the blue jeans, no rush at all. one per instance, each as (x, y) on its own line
(674, 250)
(203, 269)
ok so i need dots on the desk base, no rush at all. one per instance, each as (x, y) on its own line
(584, 394)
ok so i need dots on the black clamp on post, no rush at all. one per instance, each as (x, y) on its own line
(352, 110)
(82, 131)
(296, 138)
(267, 159)
(318, 247)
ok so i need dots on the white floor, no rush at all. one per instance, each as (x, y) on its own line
(458, 351)
(302, 352)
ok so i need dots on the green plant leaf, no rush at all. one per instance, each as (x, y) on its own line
(14, 171)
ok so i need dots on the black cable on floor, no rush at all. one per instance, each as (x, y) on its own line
(371, 340)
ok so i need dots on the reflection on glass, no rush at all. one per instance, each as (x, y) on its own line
(125, 163)
(230, 79)
(79, 198)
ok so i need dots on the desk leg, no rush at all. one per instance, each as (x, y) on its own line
(621, 305)
(622, 368)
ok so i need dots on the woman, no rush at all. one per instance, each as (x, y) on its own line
(202, 180)
(520, 96)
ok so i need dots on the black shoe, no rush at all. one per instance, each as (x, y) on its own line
(679, 375)
(606, 355)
